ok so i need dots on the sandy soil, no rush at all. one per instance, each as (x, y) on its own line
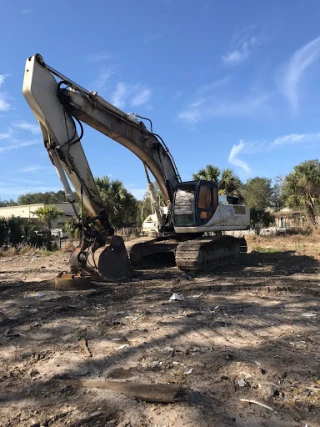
(248, 330)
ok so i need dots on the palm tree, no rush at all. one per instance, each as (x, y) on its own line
(119, 203)
(209, 173)
(47, 215)
(228, 183)
(302, 188)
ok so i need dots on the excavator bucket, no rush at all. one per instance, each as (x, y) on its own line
(111, 261)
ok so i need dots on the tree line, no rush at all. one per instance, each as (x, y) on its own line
(299, 189)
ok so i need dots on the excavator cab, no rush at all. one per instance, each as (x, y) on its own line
(194, 203)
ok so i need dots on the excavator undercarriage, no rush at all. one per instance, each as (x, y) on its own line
(117, 260)
(191, 254)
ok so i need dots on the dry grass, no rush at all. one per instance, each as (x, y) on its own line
(301, 243)
(27, 250)
(8, 252)
(68, 247)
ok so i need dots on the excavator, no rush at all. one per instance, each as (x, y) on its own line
(192, 225)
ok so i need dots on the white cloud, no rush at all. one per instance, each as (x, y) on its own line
(295, 69)
(26, 11)
(32, 168)
(125, 94)
(6, 135)
(190, 116)
(4, 104)
(26, 181)
(118, 97)
(18, 145)
(208, 102)
(206, 88)
(141, 97)
(233, 157)
(259, 146)
(241, 52)
(33, 128)
(210, 107)
(99, 57)
(294, 138)
(103, 78)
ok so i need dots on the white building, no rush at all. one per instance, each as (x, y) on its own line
(27, 212)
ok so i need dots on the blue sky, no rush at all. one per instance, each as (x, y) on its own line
(225, 82)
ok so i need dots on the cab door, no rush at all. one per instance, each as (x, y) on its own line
(206, 201)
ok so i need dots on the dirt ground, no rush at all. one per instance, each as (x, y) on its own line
(247, 330)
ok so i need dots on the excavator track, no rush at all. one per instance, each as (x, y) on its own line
(207, 252)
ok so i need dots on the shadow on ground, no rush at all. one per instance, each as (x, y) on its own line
(249, 329)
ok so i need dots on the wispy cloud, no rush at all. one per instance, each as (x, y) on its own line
(32, 168)
(258, 146)
(242, 49)
(33, 128)
(18, 145)
(26, 181)
(208, 101)
(234, 159)
(141, 97)
(26, 11)
(301, 60)
(4, 104)
(296, 138)
(6, 135)
(209, 87)
(99, 56)
(210, 107)
(151, 37)
(133, 95)
(103, 78)
(119, 95)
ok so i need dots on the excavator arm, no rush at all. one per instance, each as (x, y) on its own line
(56, 103)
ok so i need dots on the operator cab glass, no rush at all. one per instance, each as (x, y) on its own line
(195, 203)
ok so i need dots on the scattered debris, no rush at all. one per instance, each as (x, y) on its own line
(123, 346)
(11, 333)
(188, 372)
(84, 347)
(39, 295)
(197, 296)
(176, 297)
(241, 382)
(164, 393)
(309, 314)
(257, 403)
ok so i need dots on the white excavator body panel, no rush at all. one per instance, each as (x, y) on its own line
(225, 218)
